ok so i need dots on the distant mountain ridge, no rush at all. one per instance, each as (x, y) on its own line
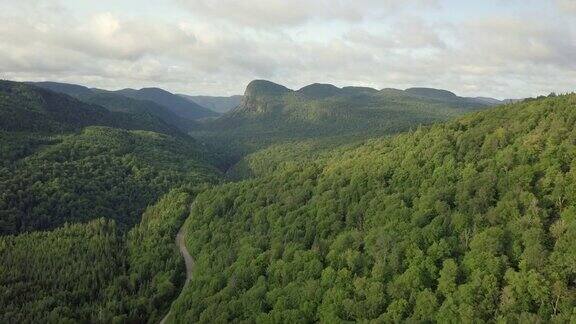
(324, 90)
(29, 108)
(270, 112)
(120, 101)
(260, 95)
(180, 106)
(218, 104)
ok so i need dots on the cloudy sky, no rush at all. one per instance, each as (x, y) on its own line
(499, 48)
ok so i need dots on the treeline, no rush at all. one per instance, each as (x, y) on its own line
(94, 272)
(470, 221)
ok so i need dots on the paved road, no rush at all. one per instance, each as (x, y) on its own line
(181, 242)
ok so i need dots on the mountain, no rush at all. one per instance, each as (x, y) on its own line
(445, 95)
(217, 104)
(319, 91)
(265, 88)
(432, 93)
(490, 101)
(270, 112)
(73, 90)
(120, 103)
(472, 220)
(178, 105)
(117, 102)
(28, 108)
(310, 102)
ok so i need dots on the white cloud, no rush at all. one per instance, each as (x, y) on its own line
(219, 49)
(267, 13)
(567, 5)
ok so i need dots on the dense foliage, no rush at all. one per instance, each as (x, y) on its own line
(101, 260)
(470, 221)
(141, 109)
(473, 220)
(27, 108)
(291, 153)
(92, 272)
(101, 172)
(145, 111)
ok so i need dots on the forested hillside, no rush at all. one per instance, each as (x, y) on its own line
(468, 221)
(178, 105)
(54, 169)
(28, 108)
(270, 113)
(101, 172)
(141, 108)
(79, 241)
(113, 101)
(93, 272)
(287, 162)
(472, 220)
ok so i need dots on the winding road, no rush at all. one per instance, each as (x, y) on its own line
(181, 242)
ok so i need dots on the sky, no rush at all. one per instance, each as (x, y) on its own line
(497, 48)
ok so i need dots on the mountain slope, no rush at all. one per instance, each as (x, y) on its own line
(217, 104)
(88, 214)
(317, 105)
(319, 91)
(271, 113)
(178, 105)
(93, 272)
(141, 109)
(28, 108)
(73, 90)
(448, 96)
(473, 220)
(101, 172)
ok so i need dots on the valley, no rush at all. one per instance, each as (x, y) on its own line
(322, 204)
(275, 161)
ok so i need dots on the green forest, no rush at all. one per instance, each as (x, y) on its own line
(89, 208)
(468, 221)
(97, 172)
(93, 272)
(323, 204)
(270, 114)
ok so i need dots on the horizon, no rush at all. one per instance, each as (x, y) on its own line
(290, 88)
(498, 49)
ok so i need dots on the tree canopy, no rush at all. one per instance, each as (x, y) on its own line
(468, 221)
